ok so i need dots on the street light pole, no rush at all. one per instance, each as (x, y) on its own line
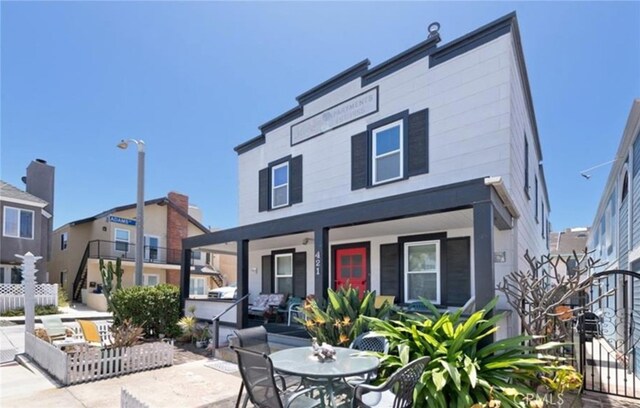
(139, 208)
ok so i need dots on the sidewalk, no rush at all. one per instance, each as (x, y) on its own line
(70, 313)
(185, 385)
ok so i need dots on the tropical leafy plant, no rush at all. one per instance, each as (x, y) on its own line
(126, 334)
(342, 320)
(463, 370)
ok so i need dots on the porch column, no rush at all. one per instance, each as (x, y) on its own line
(185, 278)
(485, 288)
(321, 264)
(242, 318)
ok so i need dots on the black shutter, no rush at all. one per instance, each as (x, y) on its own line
(458, 275)
(295, 184)
(263, 190)
(418, 149)
(300, 274)
(359, 161)
(267, 275)
(390, 270)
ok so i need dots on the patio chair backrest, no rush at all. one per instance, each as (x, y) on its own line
(370, 341)
(417, 307)
(256, 370)
(403, 381)
(401, 384)
(90, 331)
(54, 327)
(253, 338)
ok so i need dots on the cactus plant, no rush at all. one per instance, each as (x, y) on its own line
(108, 273)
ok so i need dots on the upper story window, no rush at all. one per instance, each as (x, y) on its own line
(625, 187)
(391, 149)
(18, 223)
(526, 167)
(536, 196)
(280, 185)
(387, 152)
(64, 240)
(121, 239)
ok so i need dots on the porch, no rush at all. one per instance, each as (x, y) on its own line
(436, 243)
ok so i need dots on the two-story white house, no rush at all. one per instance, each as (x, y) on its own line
(418, 177)
(615, 240)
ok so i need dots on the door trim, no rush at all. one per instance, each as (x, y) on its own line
(366, 245)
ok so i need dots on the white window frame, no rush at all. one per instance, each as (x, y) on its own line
(375, 156)
(204, 287)
(275, 272)
(116, 240)
(285, 185)
(437, 271)
(147, 248)
(64, 241)
(17, 234)
(145, 279)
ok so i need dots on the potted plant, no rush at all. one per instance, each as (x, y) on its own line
(188, 326)
(202, 336)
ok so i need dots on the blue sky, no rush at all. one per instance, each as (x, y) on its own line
(195, 79)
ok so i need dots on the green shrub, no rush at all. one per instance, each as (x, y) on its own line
(63, 300)
(342, 320)
(40, 311)
(463, 371)
(155, 308)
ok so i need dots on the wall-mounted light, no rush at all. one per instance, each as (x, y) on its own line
(500, 257)
(254, 270)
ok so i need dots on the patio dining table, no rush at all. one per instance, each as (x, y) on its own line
(300, 361)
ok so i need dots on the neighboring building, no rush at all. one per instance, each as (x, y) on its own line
(615, 240)
(419, 177)
(564, 244)
(79, 245)
(27, 221)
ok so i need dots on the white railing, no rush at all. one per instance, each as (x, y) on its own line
(12, 295)
(129, 401)
(85, 363)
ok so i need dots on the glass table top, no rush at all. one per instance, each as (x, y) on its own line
(301, 361)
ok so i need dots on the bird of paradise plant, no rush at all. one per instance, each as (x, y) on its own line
(341, 320)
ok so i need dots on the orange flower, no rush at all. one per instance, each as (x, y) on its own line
(346, 321)
(309, 323)
(337, 324)
(343, 339)
(320, 320)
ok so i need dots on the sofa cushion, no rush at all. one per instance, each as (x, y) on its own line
(276, 299)
(261, 301)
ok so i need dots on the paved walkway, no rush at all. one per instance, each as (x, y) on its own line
(185, 385)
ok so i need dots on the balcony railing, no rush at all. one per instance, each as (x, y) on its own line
(127, 252)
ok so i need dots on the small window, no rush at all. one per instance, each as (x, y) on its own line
(151, 247)
(625, 187)
(284, 273)
(196, 255)
(18, 223)
(64, 238)
(197, 287)
(536, 196)
(526, 167)
(280, 185)
(122, 240)
(151, 280)
(387, 152)
(422, 271)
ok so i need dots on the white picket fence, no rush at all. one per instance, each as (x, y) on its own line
(87, 363)
(12, 295)
(129, 401)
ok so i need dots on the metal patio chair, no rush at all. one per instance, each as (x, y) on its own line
(396, 392)
(54, 327)
(259, 379)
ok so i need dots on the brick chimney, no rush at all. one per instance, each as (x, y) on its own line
(177, 230)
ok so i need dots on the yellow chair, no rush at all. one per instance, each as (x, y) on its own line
(91, 333)
(382, 299)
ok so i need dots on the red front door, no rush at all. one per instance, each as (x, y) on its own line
(351, 268)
